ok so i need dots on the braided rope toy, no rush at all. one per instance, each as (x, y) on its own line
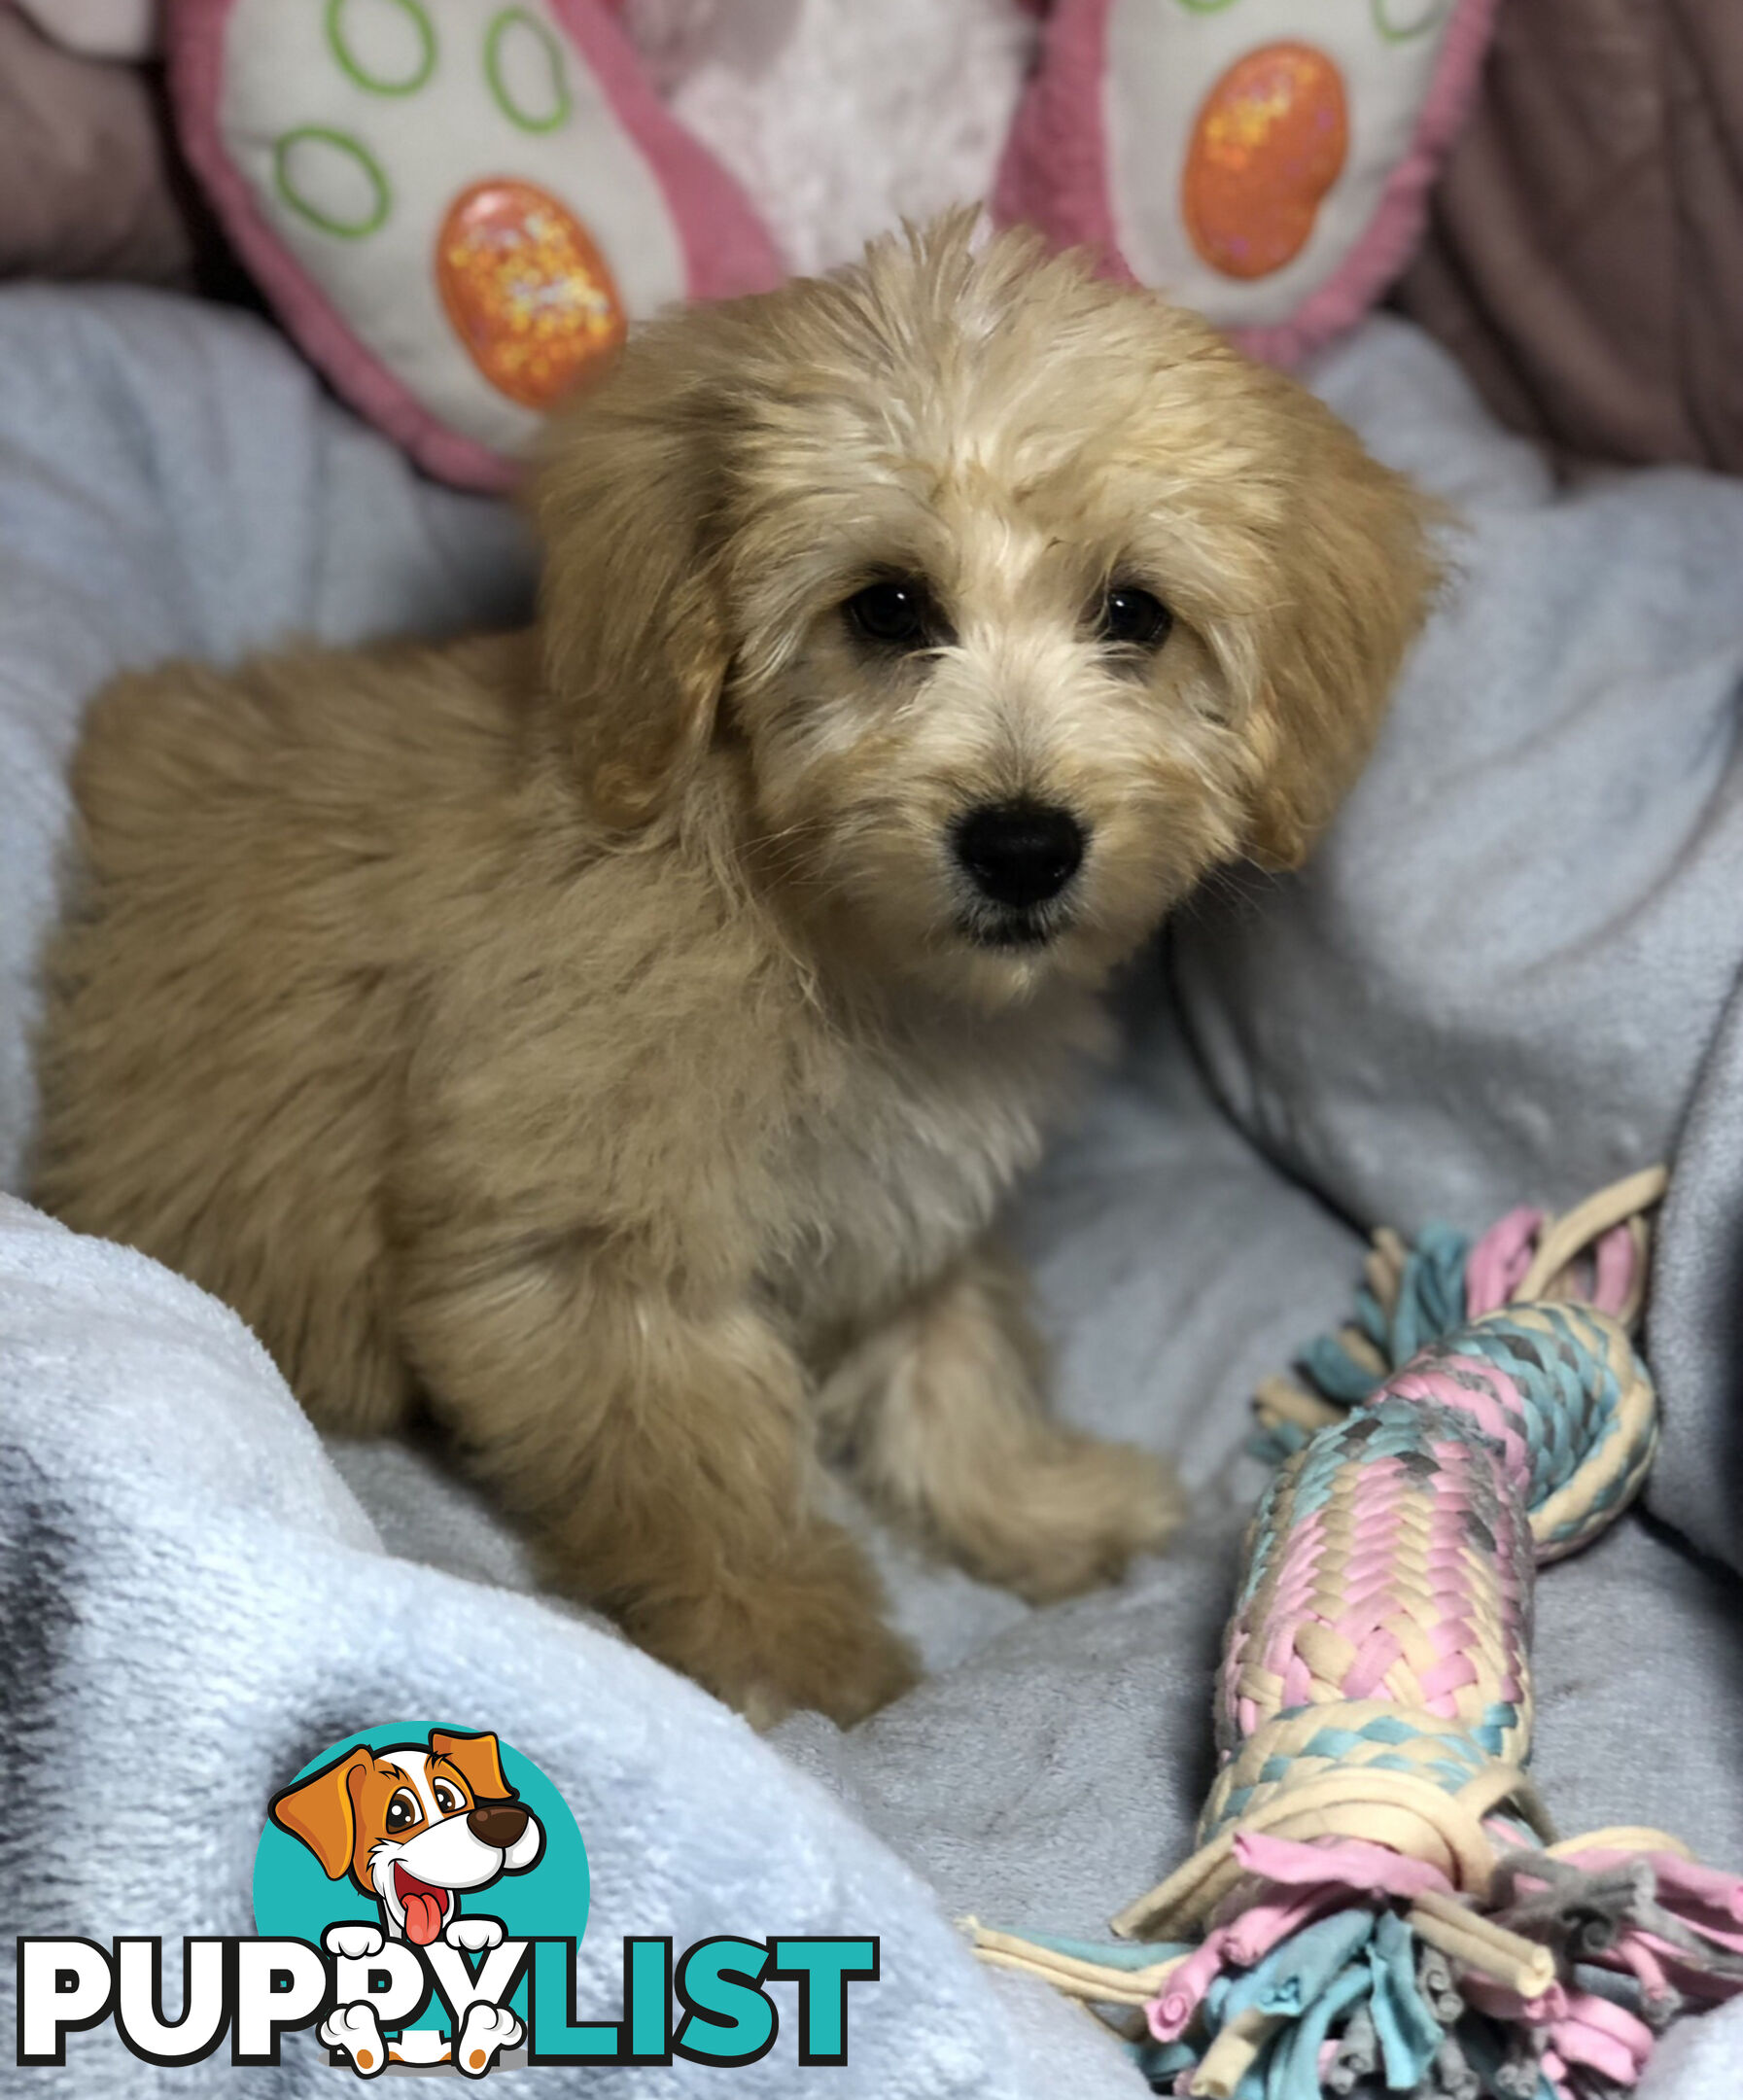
(1377, 1898)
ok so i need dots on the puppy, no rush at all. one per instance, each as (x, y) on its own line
(618, 1038)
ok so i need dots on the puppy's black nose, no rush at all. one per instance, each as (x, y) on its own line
(1019, 853)
(498, 1823)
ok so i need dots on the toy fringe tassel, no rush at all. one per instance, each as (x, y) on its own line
(1378, 1900)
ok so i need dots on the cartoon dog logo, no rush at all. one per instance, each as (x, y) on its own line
(416, 1826)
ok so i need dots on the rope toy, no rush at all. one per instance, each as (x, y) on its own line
(1377, 1898)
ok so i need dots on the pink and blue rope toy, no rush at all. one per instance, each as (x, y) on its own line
(1377, 1902)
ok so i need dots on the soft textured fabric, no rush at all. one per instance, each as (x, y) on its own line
(1585, 254)
(1511, 970)
(99, 28)
(840, 118)
(1262, 164)
(87, 187)
(1697, 1311)
(184, 1565)
(456, 213)
(1498, 978)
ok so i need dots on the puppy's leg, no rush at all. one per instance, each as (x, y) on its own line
(942, 1414)
(661, 1457)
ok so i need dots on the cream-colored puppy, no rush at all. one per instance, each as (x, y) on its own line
(620, 1036)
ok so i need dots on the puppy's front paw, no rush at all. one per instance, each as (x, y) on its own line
(356, 1942)
(845, 1668)
(808, 1633)
(488, 2028)
(474, 1935)
(1069, 1516)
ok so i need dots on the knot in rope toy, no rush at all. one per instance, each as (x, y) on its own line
(1377, 1898)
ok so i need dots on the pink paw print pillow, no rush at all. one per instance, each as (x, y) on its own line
(1264, 162)
(456, 206)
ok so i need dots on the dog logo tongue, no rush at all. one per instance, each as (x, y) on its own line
(424, 1908)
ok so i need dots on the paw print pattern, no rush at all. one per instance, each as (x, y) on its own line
(1251, 131)
(481, 195)
(1270, 141)
(1250, 146)
(487, 2030)
(435, 167)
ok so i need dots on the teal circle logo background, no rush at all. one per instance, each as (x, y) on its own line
(293, 1900)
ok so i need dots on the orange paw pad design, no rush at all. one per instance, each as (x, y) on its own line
(527, 291)
(1268, 141)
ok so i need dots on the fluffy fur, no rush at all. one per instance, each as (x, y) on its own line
(592, 1034)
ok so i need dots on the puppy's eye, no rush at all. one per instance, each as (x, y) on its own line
(1134, 617)
(447, 1797)
(402, 1811)
(895, 614)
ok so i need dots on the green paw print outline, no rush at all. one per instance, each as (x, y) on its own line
(284, 149)
(351, 66)
(562, 102)
(1426, 16)
(558, 107)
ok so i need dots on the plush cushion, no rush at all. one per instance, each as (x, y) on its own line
(455, 209)
(1585, 255)
(1260, 160)
(86, 183)
(99, 28)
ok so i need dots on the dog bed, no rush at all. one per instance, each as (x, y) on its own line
(1507, 976)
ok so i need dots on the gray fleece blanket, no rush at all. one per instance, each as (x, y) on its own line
(1509, 976)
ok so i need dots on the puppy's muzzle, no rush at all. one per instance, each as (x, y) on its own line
(497, 1824)
(1018, 855)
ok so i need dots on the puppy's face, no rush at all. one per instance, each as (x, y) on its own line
(1010, 600)
(987, 732)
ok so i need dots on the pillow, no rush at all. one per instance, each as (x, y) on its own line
(87, 186)
(1583, 254)
(99, 29)
(1262, 162)
(456, 209)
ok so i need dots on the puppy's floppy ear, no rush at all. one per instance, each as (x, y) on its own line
(477, 1759)
(321, 1813)
(1357, 576)
(631, 620)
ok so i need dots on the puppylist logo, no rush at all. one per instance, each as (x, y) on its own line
(420, 1892)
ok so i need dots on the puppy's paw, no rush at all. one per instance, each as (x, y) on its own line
(488, 2029)
(1069, 1516)
(474, 1935)
(809, 1632)
(356, 1942)
(843, 1671)
(355, 2029)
